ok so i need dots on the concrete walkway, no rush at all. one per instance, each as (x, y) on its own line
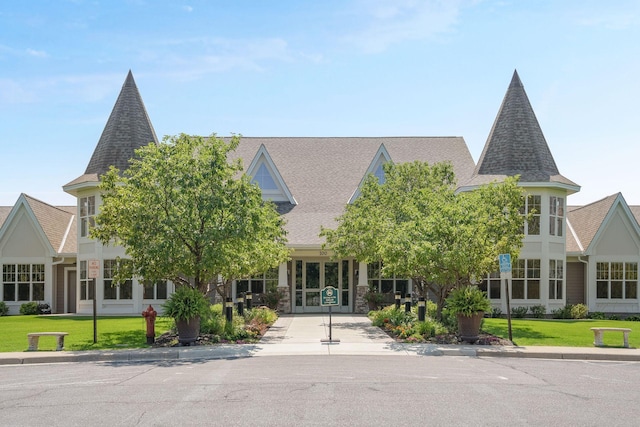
(303, 335)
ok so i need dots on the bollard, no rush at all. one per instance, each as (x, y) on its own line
(249, 298)
(229, 309)
(150, 316)
(407, 303)
(240, 305)
(422, 309)
(398, 298)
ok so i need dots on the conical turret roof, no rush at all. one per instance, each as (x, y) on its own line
(127, 129)
(516, 144)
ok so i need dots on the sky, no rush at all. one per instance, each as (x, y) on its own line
(319, 68)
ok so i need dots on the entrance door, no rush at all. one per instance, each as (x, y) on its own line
(314, 275)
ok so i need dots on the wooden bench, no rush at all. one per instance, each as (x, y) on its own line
(33, 338)
(597, 335)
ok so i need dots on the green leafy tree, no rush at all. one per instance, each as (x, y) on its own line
(185, 213)
(419, 227)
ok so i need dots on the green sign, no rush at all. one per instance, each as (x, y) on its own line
(329, 296)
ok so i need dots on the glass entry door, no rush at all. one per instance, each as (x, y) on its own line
(312, 276)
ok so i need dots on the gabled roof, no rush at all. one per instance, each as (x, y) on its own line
(127, 129)
(57, 223)
(516, 145)
(323, 173)
(586, 222)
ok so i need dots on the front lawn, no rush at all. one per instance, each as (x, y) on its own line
(113, 332)
(565, 333)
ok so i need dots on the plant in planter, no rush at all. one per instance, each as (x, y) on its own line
(469, 304)
(187, 306)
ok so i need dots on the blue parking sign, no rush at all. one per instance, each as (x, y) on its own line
(505, 263)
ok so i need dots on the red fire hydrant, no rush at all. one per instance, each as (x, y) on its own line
(150, 316)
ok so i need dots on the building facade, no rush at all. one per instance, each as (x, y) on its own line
(571, 254)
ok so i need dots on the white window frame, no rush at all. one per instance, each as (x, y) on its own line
(622, 272)
(556, 216)
(556, 279)
(20, 275)
(87, 215)
(533, 205)
(526, 271)
(109, 268)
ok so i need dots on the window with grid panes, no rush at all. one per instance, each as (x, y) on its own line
(617, 280)
(556, 216)
(525, 283)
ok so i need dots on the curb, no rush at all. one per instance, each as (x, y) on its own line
(235, 351)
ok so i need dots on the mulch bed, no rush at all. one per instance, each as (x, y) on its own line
(483, 339)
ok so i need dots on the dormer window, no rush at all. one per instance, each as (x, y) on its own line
(380, 174)
(265, 174)
(264, 179)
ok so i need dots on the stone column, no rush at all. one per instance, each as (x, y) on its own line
(361, 305)
(284, 306)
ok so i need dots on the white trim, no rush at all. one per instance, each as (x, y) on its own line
(382, 156)
(263, 157)
(573, 233)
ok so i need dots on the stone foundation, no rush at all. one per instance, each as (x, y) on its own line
(284, 306)
(361, 306)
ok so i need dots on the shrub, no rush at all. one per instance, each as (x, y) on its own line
(562, 313)
(4, 310)
(29, 308)
(579, 311)
(44, 308)
(262, 315)
(392, 316)
(272, 298)
(538, 311)
(496, 312)
(597, 315)
(429, 328)
(214, 323)
(519, 312)
(450, 321)
(614, 317)
(634, 318)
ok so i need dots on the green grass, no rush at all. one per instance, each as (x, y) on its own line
(565, 333)
(113, 332)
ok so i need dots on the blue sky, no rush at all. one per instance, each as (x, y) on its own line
(319, 68)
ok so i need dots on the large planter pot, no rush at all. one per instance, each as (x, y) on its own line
(188, 330)
(469, 326)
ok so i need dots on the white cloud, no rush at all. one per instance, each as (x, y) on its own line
(387, 22)
(37, 53)
(188, 8)
(192, 58)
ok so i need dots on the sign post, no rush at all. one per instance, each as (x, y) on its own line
(329, 297)
(94, 272)
(505, 273)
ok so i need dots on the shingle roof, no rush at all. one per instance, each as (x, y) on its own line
(323, 173)
(516, 145)
(127, 129)
(58, 224)
(4, 213)
(586, 221)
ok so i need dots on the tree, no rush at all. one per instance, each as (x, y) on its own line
(184, 213)
(420, 228)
